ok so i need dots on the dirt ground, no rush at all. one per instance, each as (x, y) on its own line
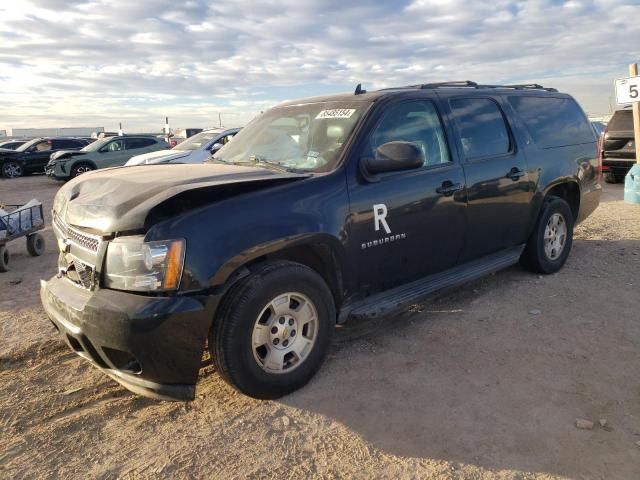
(485, 382)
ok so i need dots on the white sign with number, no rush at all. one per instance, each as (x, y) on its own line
(628, 90)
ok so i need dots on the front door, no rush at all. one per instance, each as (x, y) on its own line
(407, 224)
(499, 191)
(113, 154)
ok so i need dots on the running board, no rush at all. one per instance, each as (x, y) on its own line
(406, 295)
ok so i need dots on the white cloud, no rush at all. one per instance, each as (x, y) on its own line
(65, 62)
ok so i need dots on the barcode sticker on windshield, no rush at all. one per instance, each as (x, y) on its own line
(337, 113)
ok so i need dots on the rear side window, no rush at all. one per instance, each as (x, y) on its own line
(139, 143)
(553, 122)
(483, 131)
(67, 144)
(621, 121)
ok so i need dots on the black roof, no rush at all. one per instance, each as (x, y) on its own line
(464, 86)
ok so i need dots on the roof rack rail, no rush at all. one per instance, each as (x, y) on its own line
(471, 84)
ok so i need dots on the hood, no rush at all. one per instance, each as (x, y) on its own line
(7, 152)
(66, 154)
(157, 157)
(119, 199)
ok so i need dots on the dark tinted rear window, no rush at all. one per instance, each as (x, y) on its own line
(483, 132)
(621, 120)
(139, 142)
(553, 122)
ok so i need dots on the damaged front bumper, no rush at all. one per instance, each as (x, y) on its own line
(151, 345)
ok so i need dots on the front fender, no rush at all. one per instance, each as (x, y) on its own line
(302, 240)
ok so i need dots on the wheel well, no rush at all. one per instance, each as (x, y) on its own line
(319, 258)
(570, 193)
(83, 162)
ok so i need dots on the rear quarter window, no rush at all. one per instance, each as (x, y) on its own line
(553, 122)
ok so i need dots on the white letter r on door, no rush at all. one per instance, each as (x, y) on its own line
(380, 215)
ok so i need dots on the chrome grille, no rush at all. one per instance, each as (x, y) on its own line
(83, 240)
(81, 274)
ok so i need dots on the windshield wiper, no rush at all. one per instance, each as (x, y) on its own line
(262, 162)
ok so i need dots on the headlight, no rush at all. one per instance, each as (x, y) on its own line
(133, 264)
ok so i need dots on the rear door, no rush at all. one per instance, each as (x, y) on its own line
(138, 146)
(499, 191)
(407, 224)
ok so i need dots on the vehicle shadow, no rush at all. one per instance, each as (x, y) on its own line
(496, 373)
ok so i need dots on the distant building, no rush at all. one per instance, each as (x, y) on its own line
(52, 132)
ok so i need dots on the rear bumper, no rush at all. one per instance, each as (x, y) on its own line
(618, 166)
(151, 345)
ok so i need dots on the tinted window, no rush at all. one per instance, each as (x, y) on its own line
(416, 122)
(114, 146)
(553, 122)
(483, 131)
(57, 144)
(622, 120)
(139, 142)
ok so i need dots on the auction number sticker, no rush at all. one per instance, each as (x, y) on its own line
(337, 113)
(628, 90)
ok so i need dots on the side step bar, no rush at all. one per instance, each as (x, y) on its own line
(405, 295)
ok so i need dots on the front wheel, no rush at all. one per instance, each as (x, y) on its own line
(11, 169)
(81, 168)
(550, 243)
(273, 330)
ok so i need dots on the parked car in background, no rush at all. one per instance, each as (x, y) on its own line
(31, 157)
(195, 149)
(11, 144)
(618, 148)
(598, 127)
(103, 153)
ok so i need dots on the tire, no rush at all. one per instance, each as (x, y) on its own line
(35, 245)
(12, 169)
(5, 258)
(246, 317)
(609, 177)
(548, 255)
(80, 168)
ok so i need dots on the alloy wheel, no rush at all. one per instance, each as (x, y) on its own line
(555, 236)
(284, 333)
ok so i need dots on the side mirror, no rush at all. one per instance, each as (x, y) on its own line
(215, 147)
(395, 156)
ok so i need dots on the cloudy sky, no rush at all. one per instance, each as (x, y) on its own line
(72, 63)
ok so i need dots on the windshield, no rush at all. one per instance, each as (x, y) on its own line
(25, 146)
(94, 146)
(301, 137)
(197, 141)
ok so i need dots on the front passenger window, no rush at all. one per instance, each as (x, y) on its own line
(416, 122)
(116, 146)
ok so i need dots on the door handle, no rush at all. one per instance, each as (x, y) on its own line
(515, 173)
(448, 188)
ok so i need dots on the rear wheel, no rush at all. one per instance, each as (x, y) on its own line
(35, 245)
(11, 169)
(80, 168)
(5, 258)
(610, 177)
(550, 243)
(273, 330)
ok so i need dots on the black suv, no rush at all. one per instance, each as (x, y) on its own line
(320, 210)
(31, 157)
(618, 150)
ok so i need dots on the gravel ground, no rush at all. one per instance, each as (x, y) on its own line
(485, 382)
